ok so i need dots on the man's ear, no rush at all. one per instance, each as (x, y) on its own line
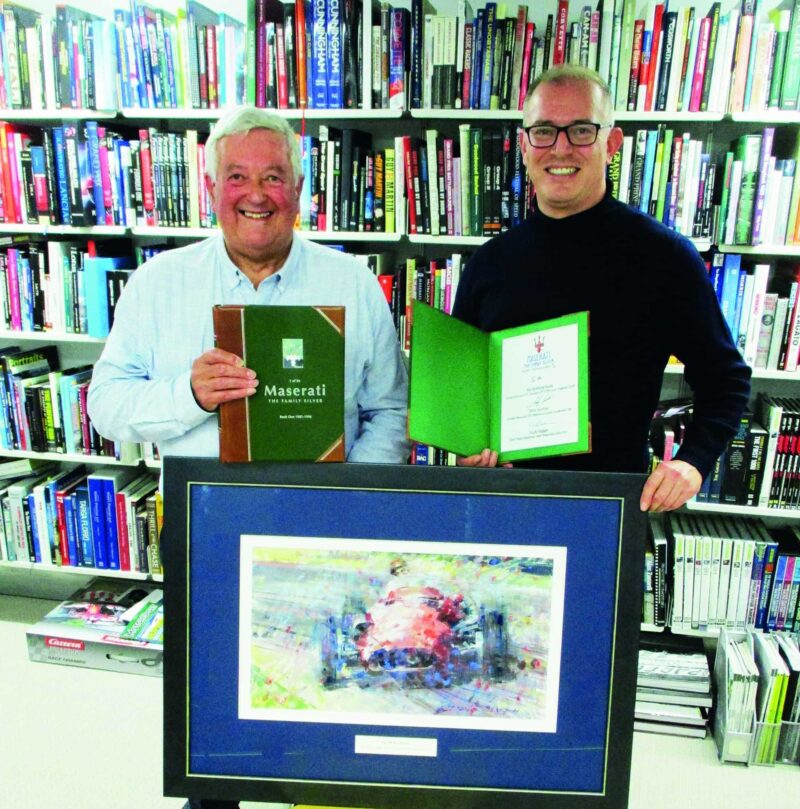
(209, 183)
(299, 187)
(613, 142)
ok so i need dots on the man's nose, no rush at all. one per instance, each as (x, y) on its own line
(562, 143)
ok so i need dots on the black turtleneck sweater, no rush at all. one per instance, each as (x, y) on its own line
(648, 296)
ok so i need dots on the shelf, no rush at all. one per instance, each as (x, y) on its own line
(82, 571)
(767, 117)
(153, 463)
(689, 117)
(50, 337)
(66, 114)
(65, 457)
(758, 373)
(466, 116)
(173, 233)
(643, 627)
(761, 249)
(175, 114)
(745, 511)
(65, 230)
(444, 241)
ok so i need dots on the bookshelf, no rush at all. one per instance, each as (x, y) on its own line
(715, 128)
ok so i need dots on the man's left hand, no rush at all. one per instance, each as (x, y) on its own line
(669, 486)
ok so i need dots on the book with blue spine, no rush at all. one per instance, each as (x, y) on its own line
(62, 176)
(334, 53)
(70, 526)
(319, 53)
(84, 525)
(730, 287)
(125, 87)
(97, 519)
(95, 272)
(93, 159)
(647, 175)
(477, 59)
(35, 538)
(488, 53)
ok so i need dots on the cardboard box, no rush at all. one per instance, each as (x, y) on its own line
(90, 629)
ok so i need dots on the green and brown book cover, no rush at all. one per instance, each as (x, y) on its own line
(523, 392)
(297, 413)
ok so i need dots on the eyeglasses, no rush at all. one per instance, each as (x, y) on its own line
(542, 136)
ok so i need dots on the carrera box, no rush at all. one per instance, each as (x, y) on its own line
(111, 624)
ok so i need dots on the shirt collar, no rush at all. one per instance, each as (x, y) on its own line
(232, 276)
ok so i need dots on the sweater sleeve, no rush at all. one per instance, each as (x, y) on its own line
(713, 366)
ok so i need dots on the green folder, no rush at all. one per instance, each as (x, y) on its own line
(462, 399)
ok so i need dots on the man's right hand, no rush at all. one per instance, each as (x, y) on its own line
(219, 376)
(486, 458)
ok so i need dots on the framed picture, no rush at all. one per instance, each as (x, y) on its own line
(388, 636)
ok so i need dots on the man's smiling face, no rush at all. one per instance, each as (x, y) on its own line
(255, 195)
(568, 179)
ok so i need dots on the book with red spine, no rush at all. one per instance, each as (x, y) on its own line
(699, 71)
(146, 164)
(105, 177)
(283, 84)
(530, 28)
(636, 61)
(655, 56)
(560, 38)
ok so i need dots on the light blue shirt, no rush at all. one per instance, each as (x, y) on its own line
(141, 388)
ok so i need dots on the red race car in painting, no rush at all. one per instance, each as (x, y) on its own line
(415, 635)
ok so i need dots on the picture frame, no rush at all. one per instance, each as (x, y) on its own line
(394, 636)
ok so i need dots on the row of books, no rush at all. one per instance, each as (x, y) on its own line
(43, 408)
(308, 54)
(760, 466)
(732, 572)
(73, 517)
(141, 56)
(472, 185)
(484, 60)
(82, 174)
(475, 186)
(750, 198)
(669, 177)
(760, 193)
(742, 59)
(762, 323)
(757, 678)
(60, 286)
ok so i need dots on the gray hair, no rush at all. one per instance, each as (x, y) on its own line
(240, 121)
(564, 74)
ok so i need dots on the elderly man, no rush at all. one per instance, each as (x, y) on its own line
(160, 378)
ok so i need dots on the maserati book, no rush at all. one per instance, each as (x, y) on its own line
(523, 392)
(297, 412)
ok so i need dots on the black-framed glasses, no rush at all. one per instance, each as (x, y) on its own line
(542, 136)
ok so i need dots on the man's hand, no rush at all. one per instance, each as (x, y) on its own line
(219, 376)
(670, 485)
(486, 458)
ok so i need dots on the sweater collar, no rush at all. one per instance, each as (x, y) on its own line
(584, 219)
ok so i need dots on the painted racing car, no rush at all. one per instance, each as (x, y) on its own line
(414, 635)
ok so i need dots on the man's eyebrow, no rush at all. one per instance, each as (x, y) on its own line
(274, 168)
(551, 123)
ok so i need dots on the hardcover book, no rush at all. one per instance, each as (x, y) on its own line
(523, 392)
(297, 413)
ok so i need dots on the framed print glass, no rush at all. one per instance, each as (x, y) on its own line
(375, 636)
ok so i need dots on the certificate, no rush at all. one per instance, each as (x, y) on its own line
(523, 392)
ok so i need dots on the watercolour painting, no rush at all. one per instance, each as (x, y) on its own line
(400, 633)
